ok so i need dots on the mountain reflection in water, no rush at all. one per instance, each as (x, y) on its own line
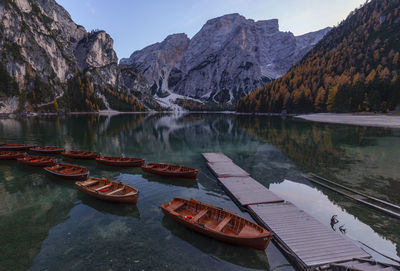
(46, 223)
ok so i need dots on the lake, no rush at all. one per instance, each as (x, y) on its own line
(46, 224)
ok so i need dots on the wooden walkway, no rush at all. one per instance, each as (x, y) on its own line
(306, 241)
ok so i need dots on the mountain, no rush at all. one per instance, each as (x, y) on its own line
(49, 63)
(225, 60)
(355, 67)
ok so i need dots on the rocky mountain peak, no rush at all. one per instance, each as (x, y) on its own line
(229, 57)
(268, 26)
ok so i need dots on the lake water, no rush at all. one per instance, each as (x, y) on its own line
(46, 224)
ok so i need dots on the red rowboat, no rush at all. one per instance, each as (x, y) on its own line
(15, 147)
(10, 155)
(37, 161)
(120, 161)
(68, 171)
(171, 170)
(109, 190)
(217, 223)
(47, 150)
(87, 155)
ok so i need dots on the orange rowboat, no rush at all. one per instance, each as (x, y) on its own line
(68, 171)
(10, 155)
(109, 190)
(47, 150)
(87, 155)
(15, 147)
(120, 161)
(37, 161)
(171, 170)
(217, 223)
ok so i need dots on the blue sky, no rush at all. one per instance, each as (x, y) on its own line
(134, 24)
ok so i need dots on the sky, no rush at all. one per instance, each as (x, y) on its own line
(135, 24)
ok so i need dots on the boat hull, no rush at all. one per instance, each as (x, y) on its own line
(21, 147)
(92, 156)
(256, 243)
(47, 151)
(76, 177)
(93, 187)
(116, 199)
(120, 163)
(49, 162)
(186, 175)
(11, 155)
(217, 223)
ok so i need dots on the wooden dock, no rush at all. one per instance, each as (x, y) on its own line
(306, 241)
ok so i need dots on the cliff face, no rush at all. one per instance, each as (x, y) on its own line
(225, 60)
(42, 49)
(160, 63)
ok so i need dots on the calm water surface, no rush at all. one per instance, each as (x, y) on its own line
(46, 224)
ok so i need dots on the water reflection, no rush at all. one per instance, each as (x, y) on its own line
(323, 208)
(45, 222)
(362, 158)
(122, 210)
(241, 256)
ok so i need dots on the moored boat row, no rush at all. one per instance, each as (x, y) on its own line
(200, 217)
(167, 170)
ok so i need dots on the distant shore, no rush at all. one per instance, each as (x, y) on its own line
(374, 120)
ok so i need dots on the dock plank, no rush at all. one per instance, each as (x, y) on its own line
(213, 157)
(310, 242)
(323, 245)
(248, 191)
(227, 169)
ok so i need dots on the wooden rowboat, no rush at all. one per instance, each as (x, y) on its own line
(171, 170)
(87, 155)
(15, 147)
(37, 161)
(47, 150)
(109, 190)
(68, 171)
(217, 223)
(120, 161)
(10, 155)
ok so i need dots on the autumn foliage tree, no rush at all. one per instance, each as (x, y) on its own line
(355, 67)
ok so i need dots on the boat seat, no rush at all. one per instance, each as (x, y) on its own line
(115, 191)
(223, 223)
(176, 206)
(89, 183)
(199, 215)
(177, 169)
(101, 188)
(163, 169)
(131, 193)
